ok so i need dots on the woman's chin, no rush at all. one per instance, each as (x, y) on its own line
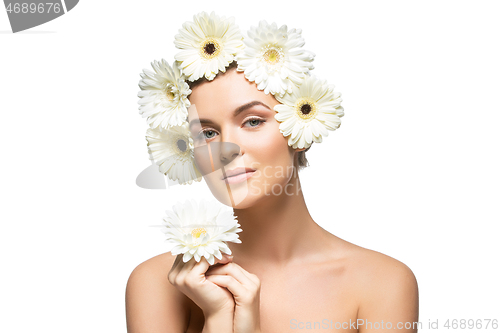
(237, 196)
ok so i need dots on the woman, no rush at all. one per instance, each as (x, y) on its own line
(288, 273)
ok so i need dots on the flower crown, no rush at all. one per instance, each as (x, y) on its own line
(271, 57)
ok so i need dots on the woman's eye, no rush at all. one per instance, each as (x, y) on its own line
(209, 134)
(254, 122)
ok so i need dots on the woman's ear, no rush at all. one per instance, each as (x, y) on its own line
(300, 149)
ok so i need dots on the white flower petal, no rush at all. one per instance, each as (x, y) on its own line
(206, 227)
(324, 113)
(172, 151)
(273, 58)
(163, 95)
(186, 257)
(208, 45)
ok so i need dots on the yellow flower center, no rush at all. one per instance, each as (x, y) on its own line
(272, 55)
(210, 48)
(169, 94)
(198, 232)
(306, 108)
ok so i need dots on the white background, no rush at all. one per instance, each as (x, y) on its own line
(412, 172)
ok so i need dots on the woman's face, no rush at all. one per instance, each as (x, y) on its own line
(235, 132)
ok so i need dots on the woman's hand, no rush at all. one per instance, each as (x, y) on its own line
(216, 302)
(245, 288)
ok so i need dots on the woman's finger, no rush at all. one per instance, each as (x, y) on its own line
(181, 265)
(224, 260)
(181, 269)
(254, 278)
(236, 271)
(200, 268)
(227, 281)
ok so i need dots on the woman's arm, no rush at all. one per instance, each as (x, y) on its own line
(160, 290)
(245, 288)
(153, 305)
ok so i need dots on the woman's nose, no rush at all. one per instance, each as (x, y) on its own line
(228, 152)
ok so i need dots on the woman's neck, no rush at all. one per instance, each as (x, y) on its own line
(278, 229)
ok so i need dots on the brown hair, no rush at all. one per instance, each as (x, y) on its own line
(301, 159)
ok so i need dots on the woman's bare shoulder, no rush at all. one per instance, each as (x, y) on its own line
(369, 266)
(160, 264)
(379, 278)
(152, 303)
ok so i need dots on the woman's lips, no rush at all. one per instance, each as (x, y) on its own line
(239, 178)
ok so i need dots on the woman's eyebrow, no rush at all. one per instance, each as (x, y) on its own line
(247, 106)
(236, 112)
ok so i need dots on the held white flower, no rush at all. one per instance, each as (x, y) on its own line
(172, 151)
(200, 229)
(163, 95)
(309, 112)
(274, 58)
(208, 45)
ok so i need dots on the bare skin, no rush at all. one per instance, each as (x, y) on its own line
(288, 273)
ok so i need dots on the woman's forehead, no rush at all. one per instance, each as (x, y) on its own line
(227, 93)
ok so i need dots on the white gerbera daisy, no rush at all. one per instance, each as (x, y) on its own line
(172, 150)
(200, 230)
(274, 58)
(163, 95)
(308, 112)
(208, 45)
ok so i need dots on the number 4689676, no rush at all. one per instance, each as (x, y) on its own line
(471, 324)
(26, 7)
